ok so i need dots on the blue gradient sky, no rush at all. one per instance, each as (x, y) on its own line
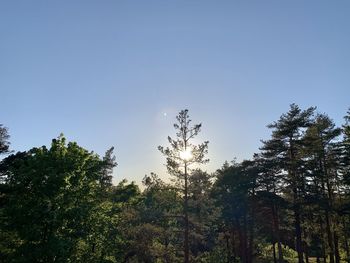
(105, 72)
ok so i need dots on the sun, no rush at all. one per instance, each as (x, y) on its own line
(186, 154)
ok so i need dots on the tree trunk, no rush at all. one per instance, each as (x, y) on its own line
(228, 248)
(330, 237)
(233, 243)
(324, 253)
(186, 240)
(274, 252)
(297, 223)
(329, 210)
(347, 250)
(306, 255)
(322, 238)
(242, 252)
(245, 239)
(242, 242)
(346, 242)
(296, 206)
(336, 247)
(305, 247)
(251, 235)
(276, 232)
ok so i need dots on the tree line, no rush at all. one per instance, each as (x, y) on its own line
(289, 203)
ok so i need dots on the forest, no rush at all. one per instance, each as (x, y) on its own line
(289, 203)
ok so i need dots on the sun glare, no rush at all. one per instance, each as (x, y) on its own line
(186, 154)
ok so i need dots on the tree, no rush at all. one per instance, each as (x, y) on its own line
(320, 150)
(345, 154)
(159, 209)
(107, 171)
(50, 204)
(180, 156)
(234, 190)
(285, 147)
(271, 203)
(345, 172)
(203, 213)
(4, 143)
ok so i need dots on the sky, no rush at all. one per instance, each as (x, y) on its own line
(116, 73)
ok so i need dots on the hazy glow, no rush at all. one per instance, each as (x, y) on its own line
(186, 154)
(216, 59)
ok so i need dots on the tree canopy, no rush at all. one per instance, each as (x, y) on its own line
(289, 203)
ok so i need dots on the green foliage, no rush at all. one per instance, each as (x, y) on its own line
(215, 255)
(289, 203)
(51, 204)
(266, 253)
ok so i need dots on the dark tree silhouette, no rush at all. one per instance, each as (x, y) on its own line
(4, 143)
(108, 165)
(285, 145)
(181, 154)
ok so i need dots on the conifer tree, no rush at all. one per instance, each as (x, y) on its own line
(270, 185)
(320, 148)
(181, 156)
(345, 172)
(285, 145)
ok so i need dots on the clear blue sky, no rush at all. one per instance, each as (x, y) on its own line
(105, 72)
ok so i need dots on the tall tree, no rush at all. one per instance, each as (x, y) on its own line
(180, 156)
(345, 160)
(285, 145)
(345, 172)
(319, 147)
(270, 185)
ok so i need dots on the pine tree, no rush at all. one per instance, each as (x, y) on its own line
(181, 156)
(320, 149)
(345, 172)
(285, 145)
(270, 185)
